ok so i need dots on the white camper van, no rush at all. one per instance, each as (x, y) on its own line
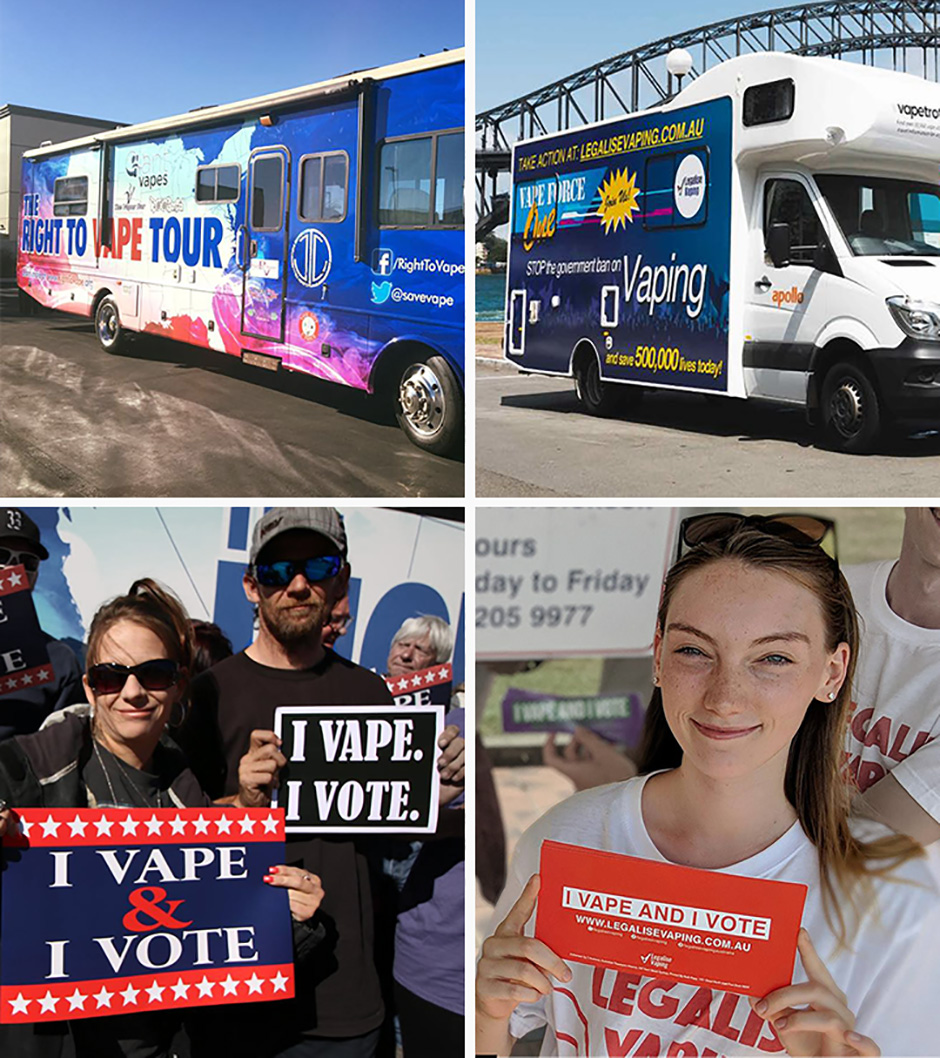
(771, 232)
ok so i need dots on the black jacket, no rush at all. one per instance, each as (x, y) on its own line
(43, 770)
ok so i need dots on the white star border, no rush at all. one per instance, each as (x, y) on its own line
(73, 827)
(205, 986)
(34, 677)
(432, 677)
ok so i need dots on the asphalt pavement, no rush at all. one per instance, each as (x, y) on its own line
(167, 419)
(533, 439)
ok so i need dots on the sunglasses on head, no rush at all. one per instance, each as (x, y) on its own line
(157, 675)
(801, 530)
(280, 574)
(26, 559)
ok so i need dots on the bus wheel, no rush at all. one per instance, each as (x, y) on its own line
(108, 325)
(597, 397)
(430, 406)
(851, 415)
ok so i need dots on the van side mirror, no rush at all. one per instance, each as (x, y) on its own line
(824, 258)
(777, 241)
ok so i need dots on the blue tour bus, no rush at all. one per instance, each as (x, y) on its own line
(319, 229)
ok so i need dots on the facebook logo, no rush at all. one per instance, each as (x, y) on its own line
(383, 261)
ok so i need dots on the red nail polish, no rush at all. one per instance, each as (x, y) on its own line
(268, 878)
(273, 870)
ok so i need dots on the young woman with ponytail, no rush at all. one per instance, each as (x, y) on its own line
(754, 651)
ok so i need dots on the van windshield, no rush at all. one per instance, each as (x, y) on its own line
(881, 216)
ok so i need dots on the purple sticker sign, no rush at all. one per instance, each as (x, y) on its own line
(615, 717)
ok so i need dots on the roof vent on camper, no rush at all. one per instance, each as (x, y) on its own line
(679, 63)
(769, 102)
(46, 143)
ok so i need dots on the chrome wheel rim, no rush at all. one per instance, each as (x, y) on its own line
(847, 407)
(107, 324)
(421, 398)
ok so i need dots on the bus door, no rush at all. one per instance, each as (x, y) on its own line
(264, 239)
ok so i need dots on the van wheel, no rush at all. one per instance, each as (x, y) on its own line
(108, 327)
(429, 406)
(601, 398)
(851, 414)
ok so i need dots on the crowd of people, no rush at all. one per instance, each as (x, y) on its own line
(166, 715)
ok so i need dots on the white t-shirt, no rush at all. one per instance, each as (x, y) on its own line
(896, 697)
(890, 971)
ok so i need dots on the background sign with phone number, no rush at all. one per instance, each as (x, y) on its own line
(556, 582)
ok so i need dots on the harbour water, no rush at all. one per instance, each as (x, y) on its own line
(490, 296)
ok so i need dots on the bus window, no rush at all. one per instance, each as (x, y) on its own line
(421, 181)
(217, 183)
(266, 182)
(323, 186)
(70, 197)
(448, 180)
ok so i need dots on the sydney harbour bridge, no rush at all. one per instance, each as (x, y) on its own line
(895, 34)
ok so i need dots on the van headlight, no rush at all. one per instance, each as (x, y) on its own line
(919, 319)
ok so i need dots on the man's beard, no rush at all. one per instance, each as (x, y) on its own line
(291, 626)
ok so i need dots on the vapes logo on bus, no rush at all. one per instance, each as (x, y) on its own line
(538, 203)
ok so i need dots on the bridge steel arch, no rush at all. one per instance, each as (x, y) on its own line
(898, 34)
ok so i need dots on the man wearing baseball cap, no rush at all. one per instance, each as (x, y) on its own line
(23, 710)
(297, 572)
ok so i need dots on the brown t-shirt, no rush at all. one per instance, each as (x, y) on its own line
(338, 991)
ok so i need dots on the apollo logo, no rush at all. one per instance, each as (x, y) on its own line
(793, 296)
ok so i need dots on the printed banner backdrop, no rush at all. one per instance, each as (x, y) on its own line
(114, 911)
(654, 918)
(615, 717)
(402, 565)
(359, 769)
(622, 231)
(24, 660)
(554, 582)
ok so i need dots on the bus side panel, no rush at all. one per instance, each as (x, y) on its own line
(409, 285)
(413, 280)
(56, 254)
(181, 251)
(327, 328)
(621, 236)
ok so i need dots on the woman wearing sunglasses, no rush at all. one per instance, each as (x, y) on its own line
(115, 752)
(753, 659)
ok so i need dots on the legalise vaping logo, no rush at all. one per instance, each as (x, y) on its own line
(689, 187)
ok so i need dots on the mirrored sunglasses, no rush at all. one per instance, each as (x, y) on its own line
(280, 574)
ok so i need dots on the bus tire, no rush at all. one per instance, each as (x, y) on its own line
(429, 405)
(111, 334)
(597, 397)
(851, 412)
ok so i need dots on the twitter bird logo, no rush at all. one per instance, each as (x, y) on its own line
(381, 292)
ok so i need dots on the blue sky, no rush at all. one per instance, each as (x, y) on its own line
(132, 61)
(524, 44)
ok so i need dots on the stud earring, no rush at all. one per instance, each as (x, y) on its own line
(655, 680)
(831, 696)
